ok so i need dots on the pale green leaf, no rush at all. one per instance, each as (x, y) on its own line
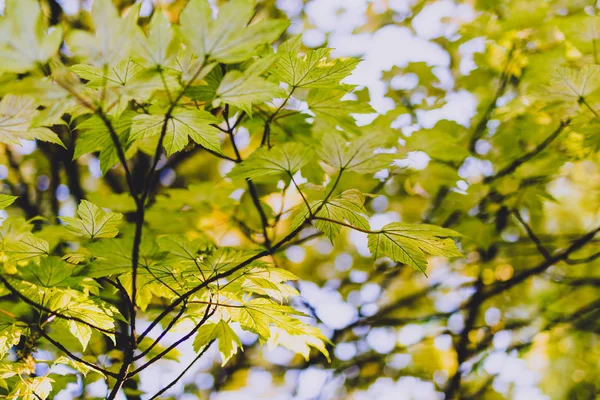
(106, 45)
(348, 208)
(32, 388)
(411, 243)
(92, 222)
(159, 47)
(286, 158)
(6, 200)
(98, 77)
(314, 69)
(182, 125)
(93, 312)
(300, 343)
(229, 343)
(76, 365)
(10, 335)
(95, 136)
(16, 116)
(227, 39)
(82, 332)
(569, 84)
(362, 155)
(26, 247)
(279, 325)
(24, 37)
(242, 89)
(329, 106)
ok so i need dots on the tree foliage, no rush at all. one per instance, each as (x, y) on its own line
(219, 148)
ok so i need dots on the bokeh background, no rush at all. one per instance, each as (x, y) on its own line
(434, 71)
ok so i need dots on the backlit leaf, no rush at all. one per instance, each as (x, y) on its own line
(411, 243)
(229, 343)
(92, 222)
(287, 158)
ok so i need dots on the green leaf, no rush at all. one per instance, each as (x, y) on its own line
(227, 39)
(446, 141)
(265, 281)
(113, 256)
(359, 155)
(327, 104)
(32, 388)
(411, 243)
(573, 84)
(26, 247)
(229, 343)
(6, 200)
(311, 70)
(51, 272)
(16, 116)
(10, 335)
(99, 77)
(280, 326)
(82, 332)
(172, 355)
(76, 365)
(348, 207)
(179, 248)
(106, 46)
(93, 222)
(95, 136)
(160, 46)
(24, 37)
(94, 312)
(286, 158)
(182, 125)
(242, 89)
(225, 258)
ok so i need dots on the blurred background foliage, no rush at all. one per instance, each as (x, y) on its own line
(495, 146)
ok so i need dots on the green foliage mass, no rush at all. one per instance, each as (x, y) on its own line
(224, 148)
(128, 89)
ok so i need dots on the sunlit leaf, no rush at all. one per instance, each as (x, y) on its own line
(227, 39)
(182, 125)
(287, 158)
(6, 200)
(411, 243)
(92, 222)
(229, 343)
(314, 69)
(16, 116)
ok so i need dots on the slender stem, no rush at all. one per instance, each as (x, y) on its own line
(266, 138)
(462, 350)
(532, 235)
(333, 221)
(162, 334)
(301, 194)
(261, 212)
(481, 126)
(160, 355)
(251, 186)
(74, 357)
(40, 307)
(174, 381)
(528, 156)
(587, 105)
